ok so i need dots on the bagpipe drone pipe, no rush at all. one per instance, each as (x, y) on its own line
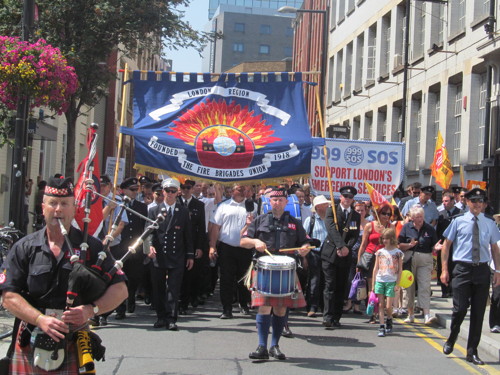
(86, 284)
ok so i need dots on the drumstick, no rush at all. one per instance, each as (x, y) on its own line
(293, 249)
(268, 253)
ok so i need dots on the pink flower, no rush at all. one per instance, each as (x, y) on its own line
(37, 70)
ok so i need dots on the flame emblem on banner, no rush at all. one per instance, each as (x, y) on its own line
(224, 135)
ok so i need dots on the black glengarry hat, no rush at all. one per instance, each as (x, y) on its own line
(59, 187)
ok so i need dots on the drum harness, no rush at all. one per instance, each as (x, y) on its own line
(277, 228)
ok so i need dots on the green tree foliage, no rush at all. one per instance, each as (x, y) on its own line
(88, 31)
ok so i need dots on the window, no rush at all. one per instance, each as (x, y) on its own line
(432, 125)
(418, 31)
(370, 71)
(265, 29)
(350, 6)
(481, 9)
(385, 45)
(400, 25)
(372, 54)
(437, 24)
(333, 13)
(348, 70)
(331, 82)
(338, 75)
(368, 126)
(397, 122)
(457, 124)
(417, 111)
(457, 16)
(382, 124)
(289, 31)
(481, 117)
(238, 47)
(437, 109)
(239, 27)
(288, 51)
(341, 11)
(355, 128)
(358, 78)
(264, 49)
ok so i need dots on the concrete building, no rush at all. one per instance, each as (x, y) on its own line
(266, 4)
(452, 79)
(250, 33)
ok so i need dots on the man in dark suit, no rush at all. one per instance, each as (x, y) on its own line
(336, 254)
(133, 266)
(445, 216)
(192, 281)
(171, 250)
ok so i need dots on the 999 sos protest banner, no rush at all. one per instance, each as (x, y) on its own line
(353, 162)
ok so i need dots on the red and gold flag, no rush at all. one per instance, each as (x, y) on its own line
(377, 199)
(441, 168)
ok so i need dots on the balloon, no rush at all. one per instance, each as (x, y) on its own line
(406, 279)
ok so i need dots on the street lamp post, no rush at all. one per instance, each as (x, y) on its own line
(18, 175)
(324, 46)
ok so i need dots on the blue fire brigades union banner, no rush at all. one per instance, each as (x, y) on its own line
(225, 130)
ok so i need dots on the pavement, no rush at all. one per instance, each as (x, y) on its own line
(441, 307)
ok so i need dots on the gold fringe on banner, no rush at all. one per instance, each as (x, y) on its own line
(182, 177)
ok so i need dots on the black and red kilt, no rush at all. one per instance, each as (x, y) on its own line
(22, 361)
(259, 299)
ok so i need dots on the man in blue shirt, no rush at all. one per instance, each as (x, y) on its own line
(472, 251)
(424, 200)
(315, 228)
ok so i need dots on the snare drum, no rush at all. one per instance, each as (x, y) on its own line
(276, 276)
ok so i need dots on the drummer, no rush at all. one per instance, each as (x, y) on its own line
(272, 231)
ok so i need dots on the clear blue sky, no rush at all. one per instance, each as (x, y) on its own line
(188, 60)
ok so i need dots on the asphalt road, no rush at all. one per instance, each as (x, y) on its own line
(205, 344)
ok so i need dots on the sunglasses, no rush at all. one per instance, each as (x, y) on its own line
(348, 196)
(187, 187)
(171, 191)
(416, 193)
(133, 189)
(386, 213)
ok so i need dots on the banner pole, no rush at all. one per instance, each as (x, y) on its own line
(325, 153)
(122, 123)
(120, 138)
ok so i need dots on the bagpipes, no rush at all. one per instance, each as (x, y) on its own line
(86, 283)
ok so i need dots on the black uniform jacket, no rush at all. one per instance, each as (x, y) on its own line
(34, 272)
(173, 241)
(197, 215)
(291, 232)
(444, 220)
(135, 226)
(335, 238)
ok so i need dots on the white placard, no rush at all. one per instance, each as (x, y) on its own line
(110, 168)
(354, 162)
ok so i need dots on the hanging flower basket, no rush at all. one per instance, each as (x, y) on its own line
(37, 70)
